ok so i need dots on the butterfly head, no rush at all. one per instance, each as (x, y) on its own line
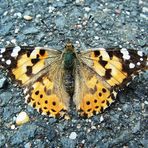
(69, 46)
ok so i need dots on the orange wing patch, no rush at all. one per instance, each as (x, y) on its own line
(98, 98)
(42, 97)
(29, 65)
(109, 68)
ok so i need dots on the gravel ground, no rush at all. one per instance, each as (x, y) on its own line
(104, 23)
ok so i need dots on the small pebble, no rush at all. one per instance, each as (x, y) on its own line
(73, 135)
(87, 9)
(22, 118)
(101, 118)
(12, 127)
(27, 17)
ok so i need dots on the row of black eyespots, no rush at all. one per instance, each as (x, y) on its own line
(46, 101)
(95, 101)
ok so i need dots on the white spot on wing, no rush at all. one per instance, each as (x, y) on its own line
(8, 62)
(2, 50)
(140, 53)
(125, 53)
(3, 59)
(131, 65)
(15, 51)
(1, 56)
(141, 59)
(138, 63)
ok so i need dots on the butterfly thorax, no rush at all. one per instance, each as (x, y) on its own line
(69, 56)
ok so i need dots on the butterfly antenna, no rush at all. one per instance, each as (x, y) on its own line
(44, 23)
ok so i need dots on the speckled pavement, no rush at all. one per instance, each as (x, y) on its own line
(103, 23)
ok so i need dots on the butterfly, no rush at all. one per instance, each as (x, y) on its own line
(53, 79)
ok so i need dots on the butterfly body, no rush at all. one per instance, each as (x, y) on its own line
(69, 58)
(51, 79)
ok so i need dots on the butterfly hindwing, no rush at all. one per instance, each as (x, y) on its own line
(92, 93)
(39, 71)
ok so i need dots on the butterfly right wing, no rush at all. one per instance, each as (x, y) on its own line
(101, 74)
(39, 71)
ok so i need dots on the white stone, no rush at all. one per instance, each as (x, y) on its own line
(145, 9)
(96, 38)
(22, 118)
(50, 9)
(8, 62)
(12, 126)
(87, 9)
(73, 135)
(15, 51)
(131, 65)
(101, 118)
(140, 53)
(3, 59)
(13, 41)
(27, 17)
(2, 50)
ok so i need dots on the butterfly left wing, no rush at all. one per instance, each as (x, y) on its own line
(101, 74)
(39, 71)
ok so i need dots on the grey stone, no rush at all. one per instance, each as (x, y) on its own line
(2, 82)
(39, 143)
(60, 22)
(68, 143)
(40, 36)
(124, 137)
(5, 29)
(59, 4)
(5, 98)
(30, 30)
(133, 144)
(136, 127)
(27, 145)
(9, 111)
(2, 140)
(20, 37)
(127, 108)
(24, 133)
(144, 141)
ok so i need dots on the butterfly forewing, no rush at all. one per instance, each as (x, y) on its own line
(117, 66)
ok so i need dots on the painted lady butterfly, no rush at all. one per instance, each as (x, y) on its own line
(51, 77)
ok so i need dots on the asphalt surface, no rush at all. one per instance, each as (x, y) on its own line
(104, 23)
